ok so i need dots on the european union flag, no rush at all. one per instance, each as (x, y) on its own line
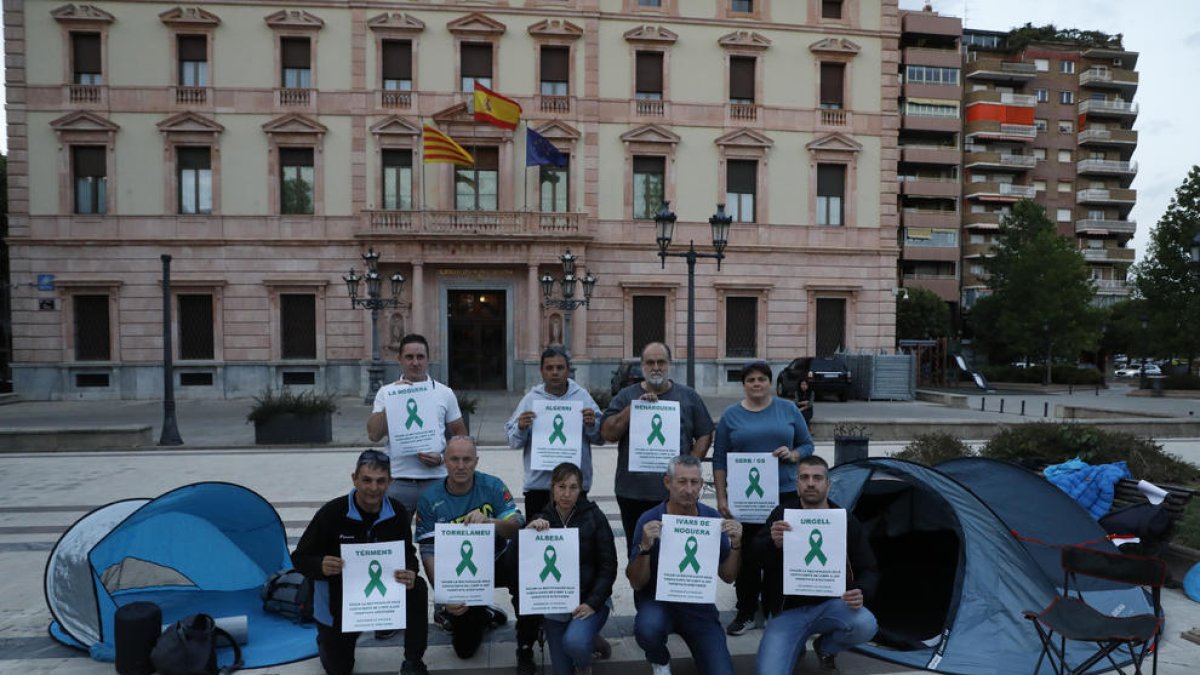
(541, 152)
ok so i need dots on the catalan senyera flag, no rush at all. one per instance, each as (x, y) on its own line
(439, 147)
(495, 109)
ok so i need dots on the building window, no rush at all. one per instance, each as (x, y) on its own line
(1066, 67)
(649, 3)
(1039, 154)
(832, 91)
(475, 187)
(1040, 125)
(89, 166)
(555, 188)
(741, 79)
(193, 60)
(649, 185)
(195, 326)
(397, 180)
(1066, 97)
(1039, 186)
(741, 6)
(649, 85)
(1064, 215)
(1043, 95)
(1041, 65)
(1064, 156)
(295, 57)
(296, 180)
(93, 338)
(555, 70)
(831, 193)
(1064, 187)
(741, 327)
(1066, 126)
(741, 178)
(831, 9)
(930, 110)
(298, 325)
(649, 321)
(194, 173)
(476, 64)
(85, 58)
(931, 75)
(397, 65)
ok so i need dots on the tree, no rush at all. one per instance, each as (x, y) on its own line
(1164, 277)
(1041, 301)
(922, 315)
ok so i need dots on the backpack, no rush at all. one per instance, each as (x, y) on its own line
(189, 647)
(289, 593)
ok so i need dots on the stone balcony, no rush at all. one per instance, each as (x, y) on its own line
(474, 223)
(1105, 226)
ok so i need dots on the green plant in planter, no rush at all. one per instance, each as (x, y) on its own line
(844, 430)
(468, 405)
(934, 448)
(271, 404)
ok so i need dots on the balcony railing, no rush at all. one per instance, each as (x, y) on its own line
(743, 111)
(1109, 254)
(991, 68)
(556, 104)
(1095, 106)
(191, 95)
(649, 107)
(1001, 159)
(1104, 225)
(1105, 166)
(833, 118)
(295, 97)
(86, 93)
(992, 129)
(474, 222)
(393, 98)
(990, 189)
(1108, 136)
(1104, 196)
(1106, 77)
(1112, 286)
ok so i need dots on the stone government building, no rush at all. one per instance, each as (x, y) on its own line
(266, 146)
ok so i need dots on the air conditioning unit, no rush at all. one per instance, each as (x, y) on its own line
(1118, 63)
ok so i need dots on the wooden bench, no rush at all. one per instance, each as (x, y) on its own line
(1126, 493)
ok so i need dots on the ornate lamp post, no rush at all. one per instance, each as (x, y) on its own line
(373, 302)
(568, 302)
(664, 224)
(170, 430)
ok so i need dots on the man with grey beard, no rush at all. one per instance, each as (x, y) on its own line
(640, 491)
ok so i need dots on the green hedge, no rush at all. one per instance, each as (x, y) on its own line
(1182, 382)
(1062, 374)
(934, 448)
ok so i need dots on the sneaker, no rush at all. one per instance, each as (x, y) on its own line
(826, 661)
(739, 624)
(525, 664)
(601, 649)
(442, 619)
(413, 668)
(663, 669)
(386, 634)
(497, 617)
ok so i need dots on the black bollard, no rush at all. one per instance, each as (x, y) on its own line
(1001, 406)
(1046, 409)
(982, 404)
(1022, 407)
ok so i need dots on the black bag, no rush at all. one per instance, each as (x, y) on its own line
(189, 647)
(289, 593)
(137, 627)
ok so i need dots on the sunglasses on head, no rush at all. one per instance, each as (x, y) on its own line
(374, 457)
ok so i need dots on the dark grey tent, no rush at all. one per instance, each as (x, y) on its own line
(955, 577)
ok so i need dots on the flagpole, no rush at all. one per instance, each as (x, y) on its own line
(525, 174)
(424, 203)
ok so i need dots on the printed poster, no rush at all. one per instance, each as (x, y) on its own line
(412, 419)
(464, 563)
(556, 435)
(549, 576)
(688, 557)
(371, 597)
(653, 435)
(814, 552)
(752, 485)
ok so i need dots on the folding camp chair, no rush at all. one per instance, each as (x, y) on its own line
(1069, 617)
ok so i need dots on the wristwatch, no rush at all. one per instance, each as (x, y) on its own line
(644, 551)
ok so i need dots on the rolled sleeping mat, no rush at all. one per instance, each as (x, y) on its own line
(136, 630)
(238, 626)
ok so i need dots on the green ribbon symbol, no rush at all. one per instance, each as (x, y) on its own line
(466, 551)
(689, 555)
(656, 431)
(376, 582)
(550, 557)
(814, 548)
(558, 430)
(754, 486)
(413, 417)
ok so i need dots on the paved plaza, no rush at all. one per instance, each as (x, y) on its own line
(41, 494)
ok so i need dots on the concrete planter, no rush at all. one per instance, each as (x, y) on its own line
(293, 428)
(850, 448)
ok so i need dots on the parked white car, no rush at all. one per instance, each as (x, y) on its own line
(1136, 370)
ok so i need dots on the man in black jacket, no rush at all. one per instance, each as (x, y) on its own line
(838, 623)
(364, 516)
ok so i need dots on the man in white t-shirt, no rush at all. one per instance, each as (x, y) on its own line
(413, 473)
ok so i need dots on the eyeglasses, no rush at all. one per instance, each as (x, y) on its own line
(374, 457)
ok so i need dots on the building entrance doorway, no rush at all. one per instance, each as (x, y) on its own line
(478, 344)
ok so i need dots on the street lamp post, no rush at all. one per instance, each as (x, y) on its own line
(373, 302)
(170, 429)
(1142, 378)
(568, 302)
(664, 222)
(1049, 353)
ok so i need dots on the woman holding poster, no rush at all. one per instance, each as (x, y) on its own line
(571, 636)
(758, 443)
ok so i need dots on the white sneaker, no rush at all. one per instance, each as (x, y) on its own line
(664, 669)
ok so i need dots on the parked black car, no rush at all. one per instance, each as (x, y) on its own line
(825, 374)
(626, 374)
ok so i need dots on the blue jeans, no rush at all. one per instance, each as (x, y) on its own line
(698, 625)
(786, 633)
(571, 641)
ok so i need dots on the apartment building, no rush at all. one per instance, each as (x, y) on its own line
(266, 146)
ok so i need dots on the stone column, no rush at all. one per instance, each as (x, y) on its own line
(533, 315)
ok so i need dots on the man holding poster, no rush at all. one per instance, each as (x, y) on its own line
(678, 535)
(365, 516)
(839, 622)
(557, 421)
(414, 414)
(638, 489)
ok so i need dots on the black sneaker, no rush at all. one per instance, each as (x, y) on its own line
(739, 624)
(497, 617)
(827, 662)
(525, 664)
(386, 634)
(442, 619)
(413, 668)
(601, 649)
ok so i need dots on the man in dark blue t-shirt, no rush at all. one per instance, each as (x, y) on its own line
(698, 624)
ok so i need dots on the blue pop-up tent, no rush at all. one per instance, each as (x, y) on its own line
(206, 547)
(963, 550)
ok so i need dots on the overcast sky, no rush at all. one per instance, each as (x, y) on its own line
(1165, 33)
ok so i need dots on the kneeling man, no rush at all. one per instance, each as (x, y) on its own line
(838, 623)
(364, 516)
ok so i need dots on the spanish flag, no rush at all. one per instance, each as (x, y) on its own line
(495, 109)
(439, 147)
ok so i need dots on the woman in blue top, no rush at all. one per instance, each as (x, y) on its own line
(759, 423)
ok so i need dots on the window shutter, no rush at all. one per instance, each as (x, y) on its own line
(741, 77)
(193, 48)
(649, 165)
(295, 157)
(476, 60)
(295, 53)
(401, 158)
(90, 161)
(397, 59)
(831, 83)
(740, 176)
(86, 52)
(555, 66)
(486, 158)
(831, 180)
(194, 158)
(650, 72)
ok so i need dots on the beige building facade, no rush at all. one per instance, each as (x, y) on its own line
(266, 146)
